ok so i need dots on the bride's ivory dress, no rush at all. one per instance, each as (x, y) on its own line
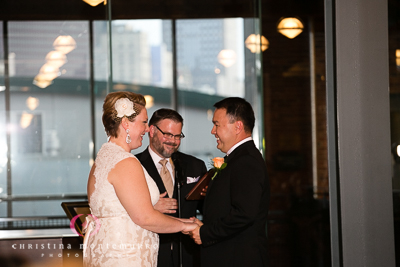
(118, 241)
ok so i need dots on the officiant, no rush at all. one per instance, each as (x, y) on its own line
(172, 171)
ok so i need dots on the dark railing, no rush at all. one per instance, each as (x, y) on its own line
(38, 222)
(19, 223)
(43, 197)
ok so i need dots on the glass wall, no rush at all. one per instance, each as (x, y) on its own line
(49, 114)
(141, 62)
(184, 56)
(394, 82)
(211, 59)
(209, 66)
(295, 135)
(54, 75)
(3, 132)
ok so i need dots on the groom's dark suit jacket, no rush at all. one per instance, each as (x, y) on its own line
(190, 167)
(235, 212)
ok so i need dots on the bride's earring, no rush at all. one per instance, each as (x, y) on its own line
(128, 137)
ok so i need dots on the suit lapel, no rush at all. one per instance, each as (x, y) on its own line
(234, 153)
(148, 163)
(180, 176)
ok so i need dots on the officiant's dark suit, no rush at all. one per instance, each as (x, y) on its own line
(236, 205)
(188, 170)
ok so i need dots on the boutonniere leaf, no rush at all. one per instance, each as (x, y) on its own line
(219, 164)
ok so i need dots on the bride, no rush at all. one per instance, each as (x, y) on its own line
(121, 231)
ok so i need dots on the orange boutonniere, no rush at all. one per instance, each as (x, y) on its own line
(219, 164)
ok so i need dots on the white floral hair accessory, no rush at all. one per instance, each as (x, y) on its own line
(124, 107)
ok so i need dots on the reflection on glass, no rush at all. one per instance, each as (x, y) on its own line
(254, 42)
(149, 101)
(56, 58)
(3, 159)
(38, 208)
(227, 57)
(3, 127)
(25, 120)
(32, 103)
(210, 56)
(3, 207)
(141, 63)
(64, 44)
(197, 127)
(211, 66)
(140, 54)
(50, 130)
(50, 127)
(101, 72)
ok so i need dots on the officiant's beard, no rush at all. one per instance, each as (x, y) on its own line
(159, 147)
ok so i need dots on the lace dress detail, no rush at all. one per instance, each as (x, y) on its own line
(118, 241)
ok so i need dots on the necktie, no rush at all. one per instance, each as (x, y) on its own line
(166, 177)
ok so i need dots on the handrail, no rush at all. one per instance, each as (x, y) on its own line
(14, 219)
(44, 197)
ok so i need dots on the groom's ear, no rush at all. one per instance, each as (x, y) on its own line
(239, 127)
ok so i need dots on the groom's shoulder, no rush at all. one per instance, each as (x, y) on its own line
(247, 151)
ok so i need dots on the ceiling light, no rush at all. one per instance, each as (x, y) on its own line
(94, 2)
(227, 57)
(40, 82)
(56, 58)
(64, 44)
(253, 42)
(290, 27)
(149, 101)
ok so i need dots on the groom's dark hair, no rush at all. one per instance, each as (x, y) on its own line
(165, 113)
(238, 109)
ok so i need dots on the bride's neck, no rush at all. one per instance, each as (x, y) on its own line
(120, 143)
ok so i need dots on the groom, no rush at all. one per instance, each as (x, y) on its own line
(236, 204)
(165, 136)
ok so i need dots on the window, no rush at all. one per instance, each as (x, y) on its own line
(53, 115)
(49, 131)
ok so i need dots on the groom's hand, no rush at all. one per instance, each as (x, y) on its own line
(195, 235)
(166, 204)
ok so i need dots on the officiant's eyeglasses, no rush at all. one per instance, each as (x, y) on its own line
(170, 136)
